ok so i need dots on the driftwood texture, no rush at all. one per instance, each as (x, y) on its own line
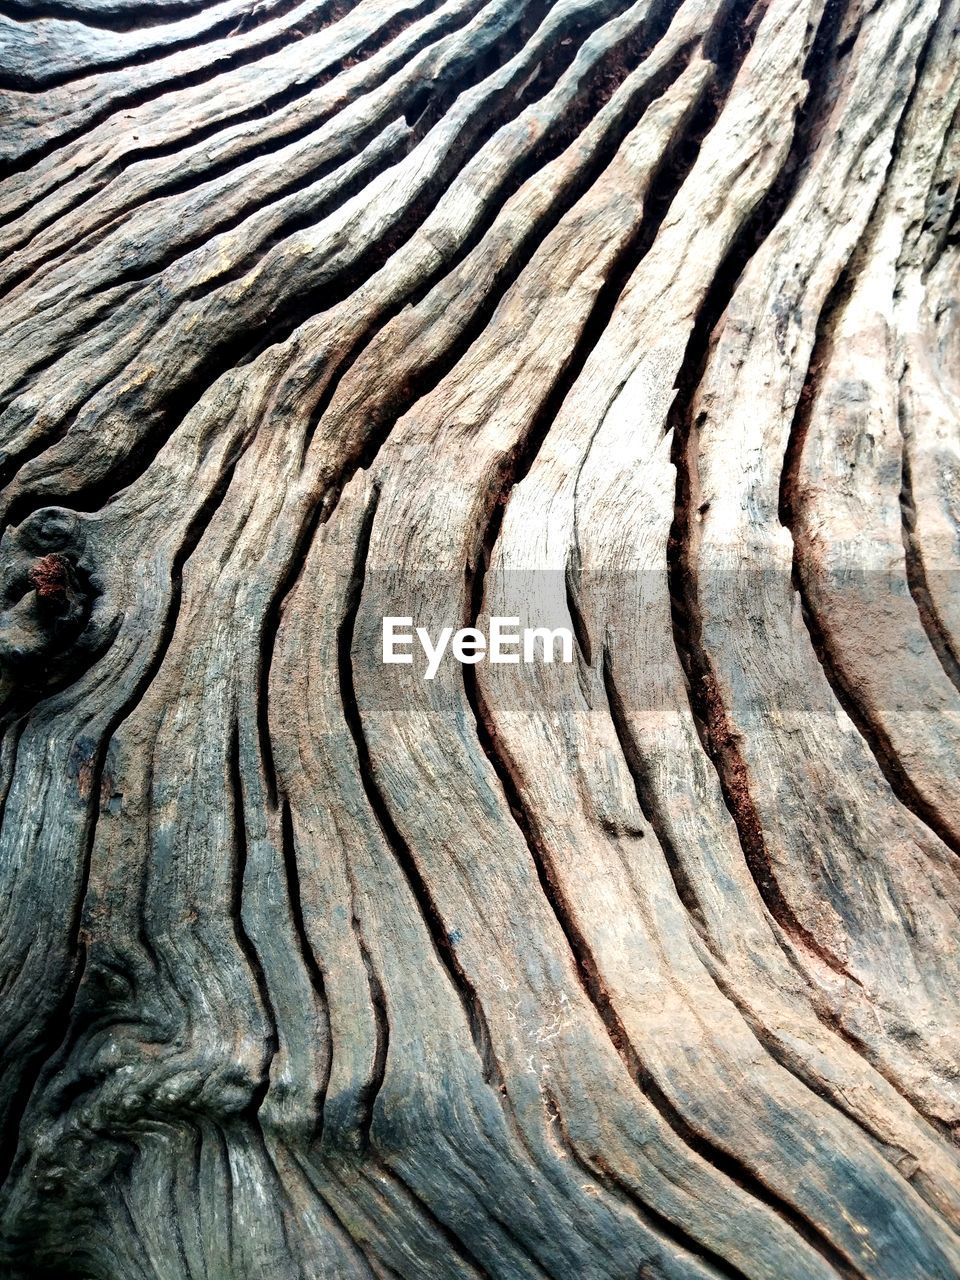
(638, 317)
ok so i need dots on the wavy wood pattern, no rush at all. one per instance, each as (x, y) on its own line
(638, 318)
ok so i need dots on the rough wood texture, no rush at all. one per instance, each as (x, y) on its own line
(640, 318)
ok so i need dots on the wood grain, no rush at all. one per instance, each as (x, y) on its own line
(638, 318)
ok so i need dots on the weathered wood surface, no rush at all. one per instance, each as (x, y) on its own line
(641, 318)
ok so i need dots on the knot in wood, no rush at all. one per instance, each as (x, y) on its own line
(47, 593)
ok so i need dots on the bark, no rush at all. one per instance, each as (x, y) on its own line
(637, 318)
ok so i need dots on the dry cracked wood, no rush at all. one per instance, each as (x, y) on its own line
(641, 319)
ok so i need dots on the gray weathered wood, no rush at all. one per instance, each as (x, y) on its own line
(638, 318)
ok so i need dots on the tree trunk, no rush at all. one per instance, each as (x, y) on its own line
(639, 319)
